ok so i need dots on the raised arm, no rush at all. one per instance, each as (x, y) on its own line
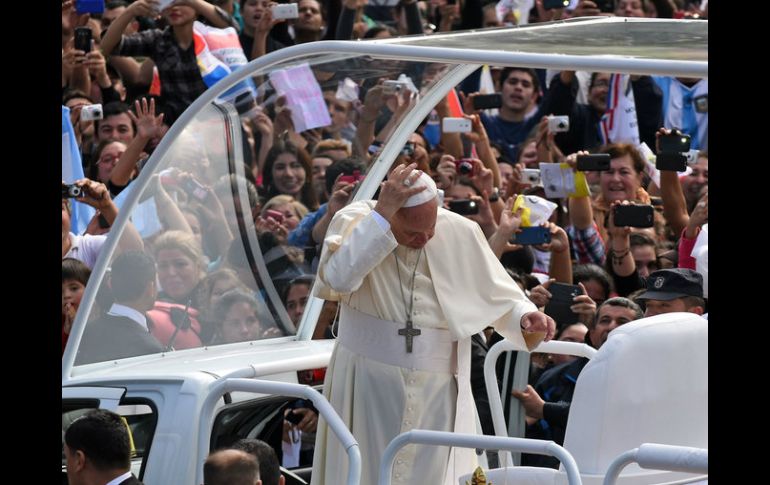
(97, 196)
(140, 8)
(147, 127)
(215, 15)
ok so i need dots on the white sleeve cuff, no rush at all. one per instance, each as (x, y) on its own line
(381, 221)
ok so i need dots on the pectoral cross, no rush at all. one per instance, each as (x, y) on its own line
(409, 332)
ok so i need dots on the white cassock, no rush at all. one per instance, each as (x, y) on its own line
(459, 289)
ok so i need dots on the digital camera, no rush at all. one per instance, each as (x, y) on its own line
(393, 87)
(91, 112)
(71, 191)
(464, 166)
(691, 156)
(531, 176)
(558, 124)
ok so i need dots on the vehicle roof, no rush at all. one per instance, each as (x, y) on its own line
(641, 38)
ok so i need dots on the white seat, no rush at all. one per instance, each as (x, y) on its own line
(647, 384)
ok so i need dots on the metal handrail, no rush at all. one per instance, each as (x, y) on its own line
(445, 438)
(519, 381)
(660, 457)
(325, 409)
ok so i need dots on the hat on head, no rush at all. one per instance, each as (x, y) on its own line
(431, 192)
(668, 284)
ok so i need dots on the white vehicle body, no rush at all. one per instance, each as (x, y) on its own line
(172, 387)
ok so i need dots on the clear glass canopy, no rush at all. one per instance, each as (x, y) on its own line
(194, 202)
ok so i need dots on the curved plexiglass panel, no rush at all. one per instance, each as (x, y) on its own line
(219, 262)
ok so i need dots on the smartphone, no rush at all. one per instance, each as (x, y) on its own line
(83, 39)
(464, 207)
(633, 215)
(674, 143)
(552, 4)
(488, 101)
(532, 236)
(562, 298)
(598, 162)
(89, 6)
(195, 188)
(351, 179)
(456, 125)
(274, 215)
(408, 149)
(293, 418)
(671, 161)
(285, 11)
(606, 6)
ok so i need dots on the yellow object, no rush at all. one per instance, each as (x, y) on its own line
(581, 184)
(130, 436)
(478, 478)
(525, 211)
(535, 210)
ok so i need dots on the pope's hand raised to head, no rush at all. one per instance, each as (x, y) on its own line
(395, 191)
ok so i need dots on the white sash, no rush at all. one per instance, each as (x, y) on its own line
(434, 351)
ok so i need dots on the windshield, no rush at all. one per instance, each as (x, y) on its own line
(225, 258)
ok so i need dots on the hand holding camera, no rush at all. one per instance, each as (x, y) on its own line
(351, 179)
(70, 191)
(91, 192)
(584, 306)
(540, 295)
(558, 124)
(464, 166)
(446, 172)
(392, 87)
(83, 39)
(91, 112)
(284, 11)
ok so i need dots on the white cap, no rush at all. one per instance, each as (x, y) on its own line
(431, 192)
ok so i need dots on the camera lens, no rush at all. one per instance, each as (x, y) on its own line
(75, 191)
(465, 168)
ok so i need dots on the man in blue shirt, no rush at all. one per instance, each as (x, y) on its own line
(520, 89)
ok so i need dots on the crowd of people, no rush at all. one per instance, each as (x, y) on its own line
(187, 275)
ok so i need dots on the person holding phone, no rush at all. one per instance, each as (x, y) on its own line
(393, 265)
(520, 93)
(622, 182)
